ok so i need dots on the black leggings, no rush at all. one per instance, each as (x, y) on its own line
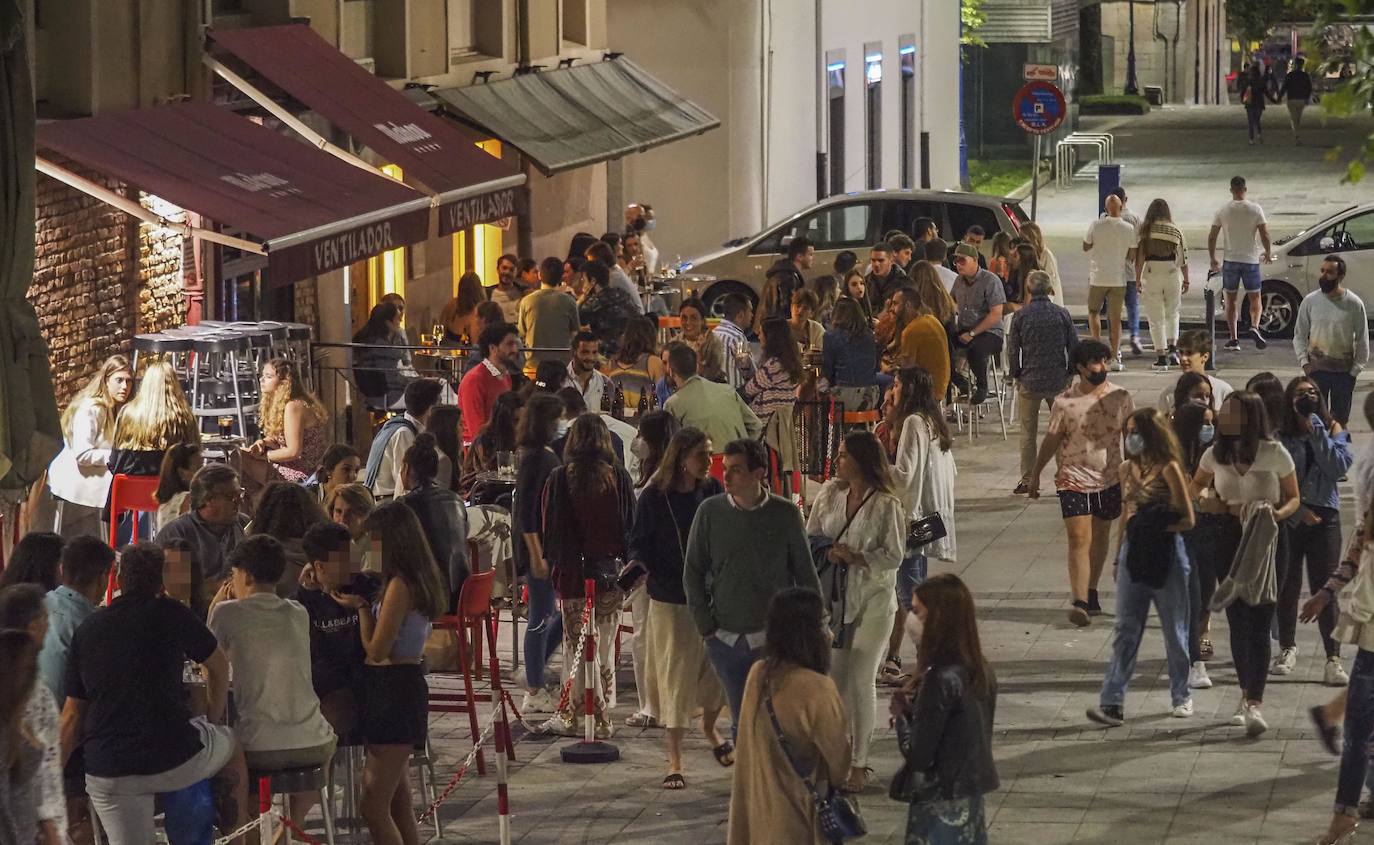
(1250, 648)
(1320, 546)
(1214, 536)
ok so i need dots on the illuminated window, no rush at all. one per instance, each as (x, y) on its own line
(873, 115)
(906, 55)
(834, 84)
(386, 273)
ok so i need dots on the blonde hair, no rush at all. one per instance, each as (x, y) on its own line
(97, 392)
(290, 389)
(158, 416)
(932, 291)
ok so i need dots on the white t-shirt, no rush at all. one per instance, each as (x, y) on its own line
(1259, 483)
(1239, 221)
(267, 639)
(1110, 238)
(948, 276)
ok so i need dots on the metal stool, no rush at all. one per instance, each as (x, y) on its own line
(220, 358)
(285, 782)
(164, 344)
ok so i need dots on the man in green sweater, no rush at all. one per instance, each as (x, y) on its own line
(745, 546)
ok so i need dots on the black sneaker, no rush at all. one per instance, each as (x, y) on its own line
(1022, 488)
(1078, 614)
(1094, 607)
(979, 397)
(1260, 342)
(1232, 345)
(1110, 715)
(1161, 363)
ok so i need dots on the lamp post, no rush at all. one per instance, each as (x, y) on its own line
(1132, 88)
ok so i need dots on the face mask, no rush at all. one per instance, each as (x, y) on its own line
(1135, 443)
(1200, 402)
(1305, 405)
(1096, 378)
(649, 225)
(1328, 285)
(639, 447)
(563, 426)
(1206, 433)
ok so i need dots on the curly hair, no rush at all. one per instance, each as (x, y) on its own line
(290, 388)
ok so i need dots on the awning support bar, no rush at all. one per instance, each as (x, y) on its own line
(132, 208)
(316, 139)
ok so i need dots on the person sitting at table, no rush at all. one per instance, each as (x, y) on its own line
(267, 640)
(636, 365)
(809, 334)
(396, 434)
(497, 436)
(704, 342)
(774, 384)
(79, 477)
(213, 525)
(179, 466)
(284, 512)
(441, 512)
(382, 366)
(339, 466)
(293, 436)
(155, 419)
(459, 316)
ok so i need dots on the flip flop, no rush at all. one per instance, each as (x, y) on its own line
(675, 781)
(720, 752)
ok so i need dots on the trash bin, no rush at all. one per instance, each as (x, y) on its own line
(1154, 95)
(1108, 180)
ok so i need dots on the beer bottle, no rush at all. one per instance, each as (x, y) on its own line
(644, 401)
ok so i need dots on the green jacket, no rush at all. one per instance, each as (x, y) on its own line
(715, 409)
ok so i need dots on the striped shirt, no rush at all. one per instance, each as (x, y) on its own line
(739, 361)
(772, 388)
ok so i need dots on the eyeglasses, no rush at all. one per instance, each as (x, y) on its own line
(235, 497)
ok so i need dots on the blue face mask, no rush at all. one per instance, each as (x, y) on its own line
(1206, 433)
(1135, 444)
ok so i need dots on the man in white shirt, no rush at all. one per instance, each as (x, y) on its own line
(937, 253)
(1107, 242)
(383, 472)
(1132, 289)
(1244, 224)
(1331, 338)
(584, 371)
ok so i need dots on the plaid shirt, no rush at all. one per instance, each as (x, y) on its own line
(1038, 346)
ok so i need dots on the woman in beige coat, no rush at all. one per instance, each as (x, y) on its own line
(768, 800)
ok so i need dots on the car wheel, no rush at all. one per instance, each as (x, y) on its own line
(1280, 308)
(711, 298)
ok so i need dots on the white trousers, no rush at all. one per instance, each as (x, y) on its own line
(855, 671)
(645, 685)
(1163, 283)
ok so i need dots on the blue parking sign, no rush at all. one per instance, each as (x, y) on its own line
(1038, 108)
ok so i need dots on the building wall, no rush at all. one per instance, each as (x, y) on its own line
(1201, 32)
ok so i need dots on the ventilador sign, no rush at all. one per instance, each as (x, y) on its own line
(487, 208)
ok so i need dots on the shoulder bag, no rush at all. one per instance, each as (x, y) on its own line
(837, 816)
(839, 586)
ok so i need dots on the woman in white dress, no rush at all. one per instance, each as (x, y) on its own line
(1030, 230)
(79, 476)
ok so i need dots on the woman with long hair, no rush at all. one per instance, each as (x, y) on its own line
(1161, 275)
(285, 511)
(1151, 563)
(155, 419)
(1247, 474)
(588, 512)
(774, 384)
(395, 712)
(1195, 428)
(860, 516)
(21, 753)
(854, 289)
(1320, 449)
(350, 505)
(944, 720)
(459, 316)
(535, 462)
(677, 665)
(35, 559)
(789, 692)
(706, 343)
(1021, 264)
(340, 465)
(1193, 389)
(179, 466)
(826, 287)
(79, 477)
(921, 447)
(293, 437)
(445, 423)
(1044, 258)
(934, 296)
(493, 438)
(635, 366)
(381, 365)
(849, 359)
(999, 264)
(442, 514)
(1269, 389)
(656, 431)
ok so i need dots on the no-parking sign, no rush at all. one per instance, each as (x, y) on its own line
(1038, 108)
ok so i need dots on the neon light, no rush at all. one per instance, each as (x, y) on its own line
(876, 57)
(834, 66)
(907, 50)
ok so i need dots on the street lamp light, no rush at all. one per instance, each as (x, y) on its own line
(1132, 88)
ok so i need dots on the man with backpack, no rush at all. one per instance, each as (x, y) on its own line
(383, 473)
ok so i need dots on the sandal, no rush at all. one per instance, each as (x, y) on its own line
(641, 720)
(852, 786)
(675, 781)
(891, 671)
(720, 752)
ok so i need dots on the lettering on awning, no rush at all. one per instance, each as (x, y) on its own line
(487, 208)
(409, 135)
(340, 249)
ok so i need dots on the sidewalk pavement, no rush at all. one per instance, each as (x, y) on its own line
(1064, 779)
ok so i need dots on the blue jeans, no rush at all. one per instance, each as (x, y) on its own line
(1338, 389)
(1359, 724)
(544, 633)
(732, 664)
(910, 575)
(1133, 600)
(1252, 121)
(1133, 307)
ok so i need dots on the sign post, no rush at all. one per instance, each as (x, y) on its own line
(1038, 108)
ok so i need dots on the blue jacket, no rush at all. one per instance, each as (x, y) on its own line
(1320, 460)
(849, 361)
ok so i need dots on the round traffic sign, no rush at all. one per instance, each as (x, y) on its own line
(1038, 108)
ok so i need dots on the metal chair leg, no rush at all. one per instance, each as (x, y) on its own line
(433, 788)
(327, 810)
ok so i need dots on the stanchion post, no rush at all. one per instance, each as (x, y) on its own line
(590, 749)
(501, 730)
(1209, 299)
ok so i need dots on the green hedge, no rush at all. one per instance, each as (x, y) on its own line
(1112, 104)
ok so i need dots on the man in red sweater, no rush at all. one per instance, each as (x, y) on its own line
(499, 344)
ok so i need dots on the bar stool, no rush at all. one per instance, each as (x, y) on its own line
(162, 343)
(285, 782)
(299, 348)
(220, 358)
(259, 342)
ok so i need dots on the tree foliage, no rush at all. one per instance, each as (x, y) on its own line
(973, 17)
(1252, 19)
(1342, 43)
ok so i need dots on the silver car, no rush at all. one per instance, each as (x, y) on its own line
(1298, 260)
(853, 221)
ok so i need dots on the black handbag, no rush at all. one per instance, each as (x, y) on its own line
(837, 816)
(924, 531)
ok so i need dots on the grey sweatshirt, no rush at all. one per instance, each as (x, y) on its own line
(1332, 335)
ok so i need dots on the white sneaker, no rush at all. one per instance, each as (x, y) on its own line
(1285, 661)
(1335, 675)
(1197, 676)
(1182, 711)
(1239, 718)
(558, 726)
(539, 701)
(1254, 722)
(1116, 365)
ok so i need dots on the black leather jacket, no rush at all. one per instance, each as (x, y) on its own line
(444, 518)
(947, 734)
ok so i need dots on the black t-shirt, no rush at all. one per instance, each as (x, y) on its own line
(336, 648)
(535, 467)
(126, 662)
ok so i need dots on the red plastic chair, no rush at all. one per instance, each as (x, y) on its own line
(129, 493)
(474, 614)
(718, 467)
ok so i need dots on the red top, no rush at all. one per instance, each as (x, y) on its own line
(476, 395)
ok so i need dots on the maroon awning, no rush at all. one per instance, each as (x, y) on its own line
(313, 212)
(473, 186)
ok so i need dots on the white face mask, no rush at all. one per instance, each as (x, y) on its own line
(563, 426)
(639, 447)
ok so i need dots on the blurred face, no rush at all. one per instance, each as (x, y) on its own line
(505, 270)
(176, 576)
(806, 259)
(696, 464)
(345, 471)
(337, 570)
(222, 507)
(271, 379)
(1231, 420)
(348, 516)
(800, 313)
(120, 385)
(586, 356)
(740, 481)
(855, 286)
(881, 261)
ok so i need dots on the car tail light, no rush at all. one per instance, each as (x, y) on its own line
(1010, 211)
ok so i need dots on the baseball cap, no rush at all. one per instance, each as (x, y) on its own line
(967, 251)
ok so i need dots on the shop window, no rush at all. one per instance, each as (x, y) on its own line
(906, 54)
(834, 80)
(873, 115)
(386, 273)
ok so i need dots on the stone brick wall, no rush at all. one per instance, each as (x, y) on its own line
(306, 304)
(161, 303)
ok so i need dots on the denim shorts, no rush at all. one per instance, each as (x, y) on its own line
(1234, 273)
(909, 576)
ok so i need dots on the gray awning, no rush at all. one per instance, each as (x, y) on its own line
(570, 117)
